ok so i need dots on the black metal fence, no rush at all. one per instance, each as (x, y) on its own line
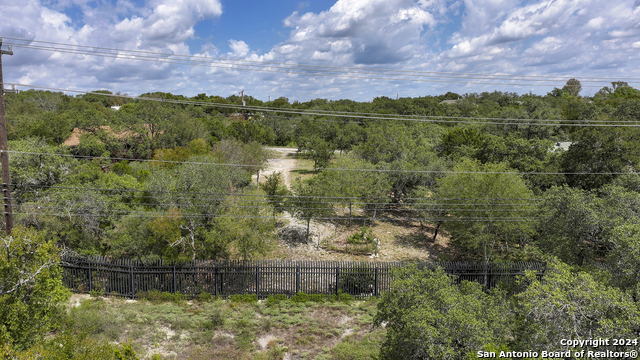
(263, 277)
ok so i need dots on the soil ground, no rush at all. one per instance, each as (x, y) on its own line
(399, 240)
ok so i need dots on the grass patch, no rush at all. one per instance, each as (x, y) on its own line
(160, 297)
(359, 348)
(227, 329)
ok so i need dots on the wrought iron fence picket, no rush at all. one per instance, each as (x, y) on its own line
(130, 278)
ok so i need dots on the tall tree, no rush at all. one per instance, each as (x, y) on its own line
(489, 208)
(572, 87)
(567, 304)
(608, 151)
(427, 316)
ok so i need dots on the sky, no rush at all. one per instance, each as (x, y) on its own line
(597, 41)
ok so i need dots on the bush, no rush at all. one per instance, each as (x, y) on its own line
(275, 299)
(428, 316)
(32, 295)
(301, 297)
(361, 242)
(342, 297)
(214, 321)
(69, 346)
(206, 297)
(156, 296)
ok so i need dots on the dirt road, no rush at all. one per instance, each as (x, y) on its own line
(282, 162)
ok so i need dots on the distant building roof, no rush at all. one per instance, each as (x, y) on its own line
(563, 145)
(449, 101)
(12, 90)
(116, 107)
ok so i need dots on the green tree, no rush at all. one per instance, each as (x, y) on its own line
(524, 155)
(247, 224)
(577, 225)
(320, 152)
(572, 87)
(308, 203)
(344, 179)
(427, 316)
(625, 258)
(489, 211)
(461, 141)
(30, 170)
(608, 151)
(568, 304)
(31, 292)
(276, 191)
(180, 130)
(91, 145)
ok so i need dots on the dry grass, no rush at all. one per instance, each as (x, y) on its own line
(228, 330)
(301, 163)
(399, 241)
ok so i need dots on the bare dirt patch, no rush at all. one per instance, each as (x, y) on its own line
(77, 299)
(399, 241)
(282, 162)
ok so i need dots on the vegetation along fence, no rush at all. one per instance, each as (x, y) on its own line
(129, 278)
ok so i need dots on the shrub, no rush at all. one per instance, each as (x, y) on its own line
(275, 299)
(67, 346)
(301, 297)
(206, 297)
(342, 297)
(361, 242)
(32, 296)
(428, 316)
(156, 296)
(214, 321)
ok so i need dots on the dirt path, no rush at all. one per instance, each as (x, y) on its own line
(282, 163)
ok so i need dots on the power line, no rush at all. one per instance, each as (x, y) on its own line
(290, 202)
(342, 169)
(292, 68)
(259, 195)
(446, 219)
(370, 116)
(317, 66)
(233, 206)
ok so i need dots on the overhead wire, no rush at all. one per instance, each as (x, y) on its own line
(512, 219)
(337, 169)
(199, 194)
(370, 116)
(81, 206)
(293, 64)
(253, 65)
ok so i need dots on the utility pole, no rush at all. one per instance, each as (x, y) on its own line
(4, 152)
(243, 126)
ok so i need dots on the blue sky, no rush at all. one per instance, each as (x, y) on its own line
(573, 38)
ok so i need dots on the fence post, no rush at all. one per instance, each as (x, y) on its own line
(257, 282)
(297, 279)
(215, 280)
(376, 288)
(133, 284)
(90, 282)
(337, 279)
(175, 283)
(349, 213)
(489, 277)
